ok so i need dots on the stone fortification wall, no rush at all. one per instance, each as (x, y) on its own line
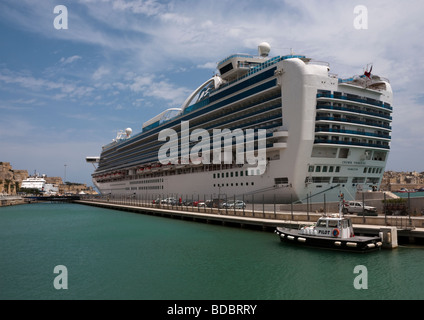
(10, 180)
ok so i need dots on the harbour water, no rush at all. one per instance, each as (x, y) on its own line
(410, 194)
(112, 254)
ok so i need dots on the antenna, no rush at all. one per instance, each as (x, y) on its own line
(341, 204)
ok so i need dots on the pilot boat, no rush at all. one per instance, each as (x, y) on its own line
(332, 232)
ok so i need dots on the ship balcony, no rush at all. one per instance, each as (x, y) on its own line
(355, 99)
(351, 143)
(280, 134)
(280, 138)
(341, 120)
(321, 105)
(277, 146)
(354, 133)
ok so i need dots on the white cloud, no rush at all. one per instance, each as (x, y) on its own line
(207, 65)
(69, 60)
(162, 89)
(27, 81)
(147, 7)
(100, 72)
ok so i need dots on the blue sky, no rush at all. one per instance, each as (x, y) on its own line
(65, 93)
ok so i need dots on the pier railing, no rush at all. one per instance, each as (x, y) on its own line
(240, 206)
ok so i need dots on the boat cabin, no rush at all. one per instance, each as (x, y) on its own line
(333, 226)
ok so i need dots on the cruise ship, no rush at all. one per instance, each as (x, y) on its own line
(315, 136)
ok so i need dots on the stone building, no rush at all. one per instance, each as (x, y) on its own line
(11, 180)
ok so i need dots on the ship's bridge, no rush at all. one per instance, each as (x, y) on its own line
(237, 65)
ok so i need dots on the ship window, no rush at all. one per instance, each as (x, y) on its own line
(321, 179)
(226, 174)
(331, 169)
(324, 169)
(311, 169)
(337, 169)
(226, 68)
(284, 180)
(241, 173)
(344, 152)
(379, 156)
(318, 169)
(232, 174)
(214, 175)
(365, 170)
(339, 179)
(337, 94)
(358, 180)
(236, 173)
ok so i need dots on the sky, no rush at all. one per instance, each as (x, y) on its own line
(65, 92)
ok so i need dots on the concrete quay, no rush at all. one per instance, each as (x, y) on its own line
(8, 200)
(398, 229)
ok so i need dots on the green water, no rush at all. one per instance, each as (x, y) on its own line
(119, 255)
(411, 195)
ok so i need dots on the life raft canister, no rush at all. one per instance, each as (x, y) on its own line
(336, 232)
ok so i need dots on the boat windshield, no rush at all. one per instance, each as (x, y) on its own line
(332, 223)
(322, 223)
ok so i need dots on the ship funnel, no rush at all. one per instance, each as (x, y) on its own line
(263, 49)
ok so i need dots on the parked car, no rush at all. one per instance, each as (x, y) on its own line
(187, 202)
(199, 203)
(359, 208)
(170, 201)
(238, 204)
(214, 203)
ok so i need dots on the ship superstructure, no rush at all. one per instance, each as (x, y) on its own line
(34, 182)
(323, 135)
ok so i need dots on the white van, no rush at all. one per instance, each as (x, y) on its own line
(357, 207)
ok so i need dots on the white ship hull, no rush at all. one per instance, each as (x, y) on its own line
(203, 185)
